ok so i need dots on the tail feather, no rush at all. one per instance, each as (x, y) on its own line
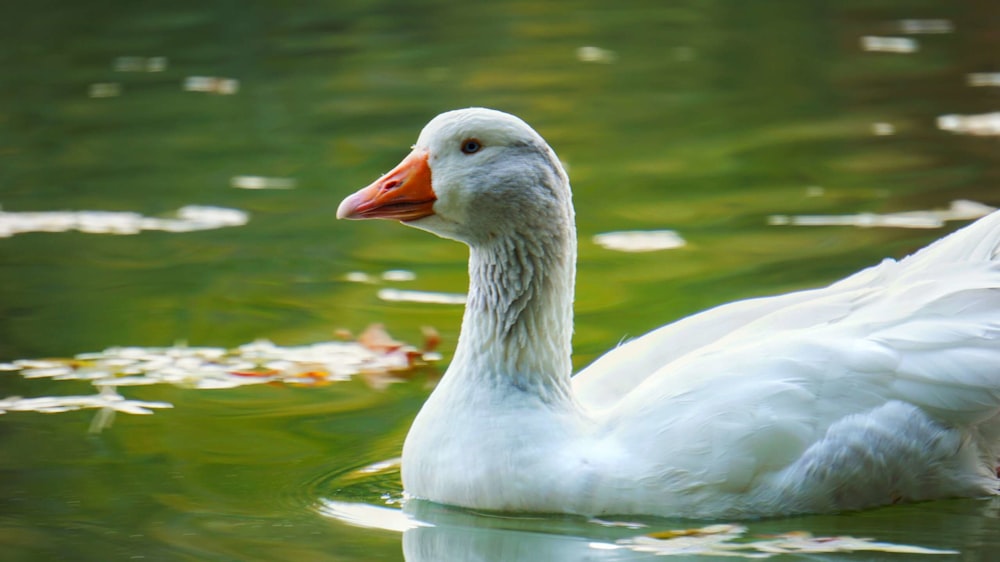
(977, 242)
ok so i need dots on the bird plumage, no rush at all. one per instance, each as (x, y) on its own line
(880, 388)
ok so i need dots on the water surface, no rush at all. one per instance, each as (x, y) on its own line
(706, 118)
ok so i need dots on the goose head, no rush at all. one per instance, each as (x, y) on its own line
(474, 175)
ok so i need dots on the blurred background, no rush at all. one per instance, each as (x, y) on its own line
(170, 172)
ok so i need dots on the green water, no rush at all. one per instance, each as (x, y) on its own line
(706, 117)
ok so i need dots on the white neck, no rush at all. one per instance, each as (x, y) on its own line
(518, 323)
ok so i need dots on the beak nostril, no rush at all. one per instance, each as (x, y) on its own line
(403, 193)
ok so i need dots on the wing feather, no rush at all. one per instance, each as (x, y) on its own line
(774, 385)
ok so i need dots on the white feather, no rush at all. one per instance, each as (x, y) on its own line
(880, 388)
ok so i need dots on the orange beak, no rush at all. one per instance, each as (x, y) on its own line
(404, 194)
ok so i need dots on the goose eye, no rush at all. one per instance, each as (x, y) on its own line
(470, 146)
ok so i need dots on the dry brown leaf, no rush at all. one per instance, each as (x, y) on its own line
(377, 338)
(432, 338)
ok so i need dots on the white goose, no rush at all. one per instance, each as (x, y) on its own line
(883, 387)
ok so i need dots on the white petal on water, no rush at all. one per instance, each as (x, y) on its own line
(56, 404)
(980, 125)
(397, 295)
(132, 407)
(981, 79)
(255, 363)
(883, 129)
(36, 364)
(185, 219)
(958, 210)
(47, 372)
(131, 380)
(358, 277)
(590, 53)
(889, 44)
(212, 217)
(640, 240)
(398, 275)
(925, 26)
(212, 383)
(261, 182)
(731, 541)
(211, 85)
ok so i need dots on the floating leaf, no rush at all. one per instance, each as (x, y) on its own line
(432, 338)
(376, 338)
(376, 355)
(699, 532)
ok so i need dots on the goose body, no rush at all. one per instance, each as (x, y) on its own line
(883, 387)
